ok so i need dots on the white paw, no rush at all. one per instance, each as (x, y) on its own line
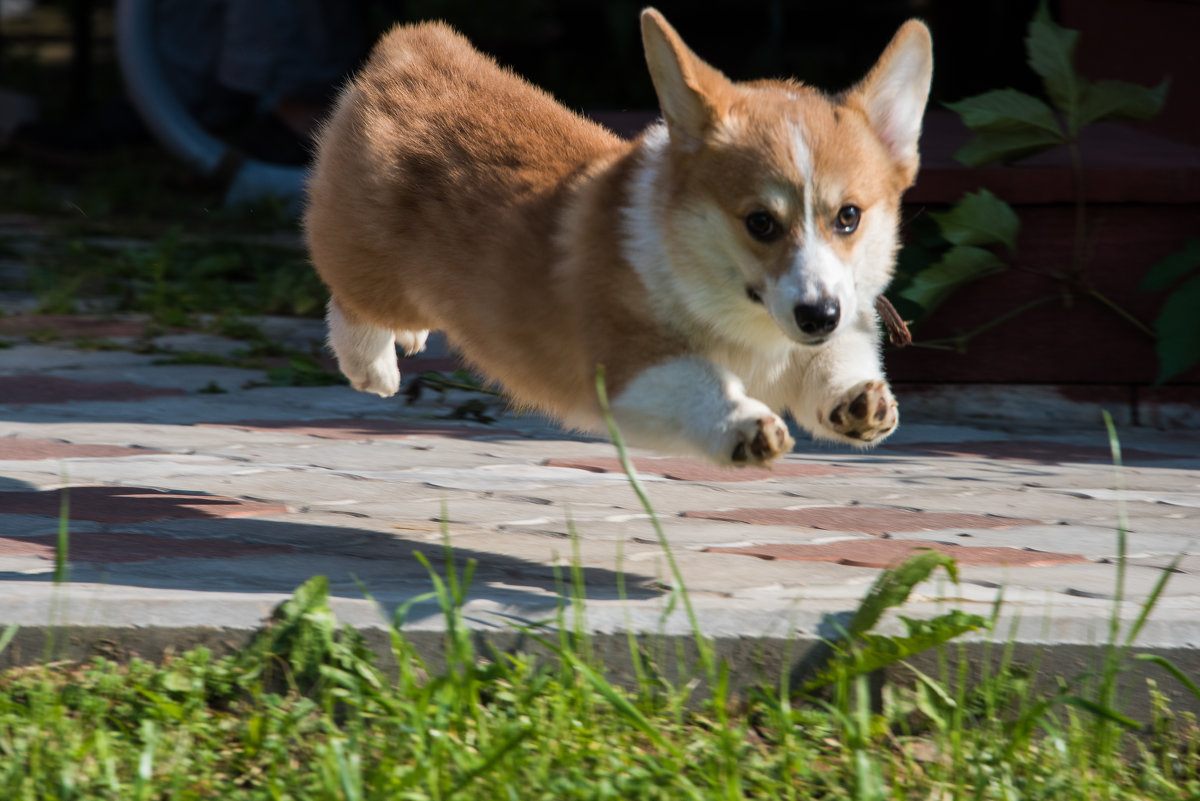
(866, 413)
(380, 377)
(366, 354)
(756, 437)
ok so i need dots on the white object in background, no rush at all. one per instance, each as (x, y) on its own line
(16, 110)
(169, 120)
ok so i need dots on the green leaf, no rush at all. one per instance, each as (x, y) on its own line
(1007, 110)
(979, 218)
(872, 652)
(1051, 50)
(1178, 327)
(176, 682)
(311, 596)
(959, 266)
(1172, 268)
(1121, 100)
(893, 586)
(859, 652)
(1008, 125)
(987, 146)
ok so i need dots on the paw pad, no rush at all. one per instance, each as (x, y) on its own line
(769, 440)
(865, 413)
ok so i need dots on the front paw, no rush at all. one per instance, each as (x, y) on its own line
(866, 413)
(758, 441)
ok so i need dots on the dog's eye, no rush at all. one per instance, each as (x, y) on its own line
(762, 226)
(847, 219)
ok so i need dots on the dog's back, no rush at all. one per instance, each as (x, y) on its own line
(438, 175)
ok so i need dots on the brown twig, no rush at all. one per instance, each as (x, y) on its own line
(897, 329)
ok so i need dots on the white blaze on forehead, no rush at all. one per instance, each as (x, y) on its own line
(802, 156)
(801, 153)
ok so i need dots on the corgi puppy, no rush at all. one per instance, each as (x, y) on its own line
(723, 267)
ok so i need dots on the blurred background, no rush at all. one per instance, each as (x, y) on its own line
(177, 128)
(65, 106)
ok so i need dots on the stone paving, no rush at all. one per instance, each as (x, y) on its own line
(198, 498)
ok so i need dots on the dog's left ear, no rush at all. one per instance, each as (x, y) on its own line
(895, 91)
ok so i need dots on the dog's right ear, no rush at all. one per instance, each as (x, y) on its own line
(693, 95)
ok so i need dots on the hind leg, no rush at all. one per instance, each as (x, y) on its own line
(366, 354)
(412, 342)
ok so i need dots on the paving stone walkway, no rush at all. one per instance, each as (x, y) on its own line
(198, 498)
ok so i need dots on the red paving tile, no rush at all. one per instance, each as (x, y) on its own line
(1030, 451)
(695, 470)
(131, 504)
(352, 428)
(23, 389)
(863, 519)
(69, 326)
(888, 553)
(31, 449)
(90, 546)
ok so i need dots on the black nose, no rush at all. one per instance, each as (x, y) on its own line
(818, 318)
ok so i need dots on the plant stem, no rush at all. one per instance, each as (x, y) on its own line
(956, 343)
(1077, 254)
(1097, 295)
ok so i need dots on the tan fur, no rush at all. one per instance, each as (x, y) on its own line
(450, 194)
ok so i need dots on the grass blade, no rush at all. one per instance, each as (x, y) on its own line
(1100, 711)
(7, 636)
(1150, 602)
(62, 543)
(494, 757)
(1171, 668)
(703, 646)
(617, 700)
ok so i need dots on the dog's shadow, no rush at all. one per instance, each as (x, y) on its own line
(252, 555)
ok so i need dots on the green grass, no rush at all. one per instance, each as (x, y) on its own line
(133, 189)
(129, 234)
(194, 255)
(175, 276)
(305, 711)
